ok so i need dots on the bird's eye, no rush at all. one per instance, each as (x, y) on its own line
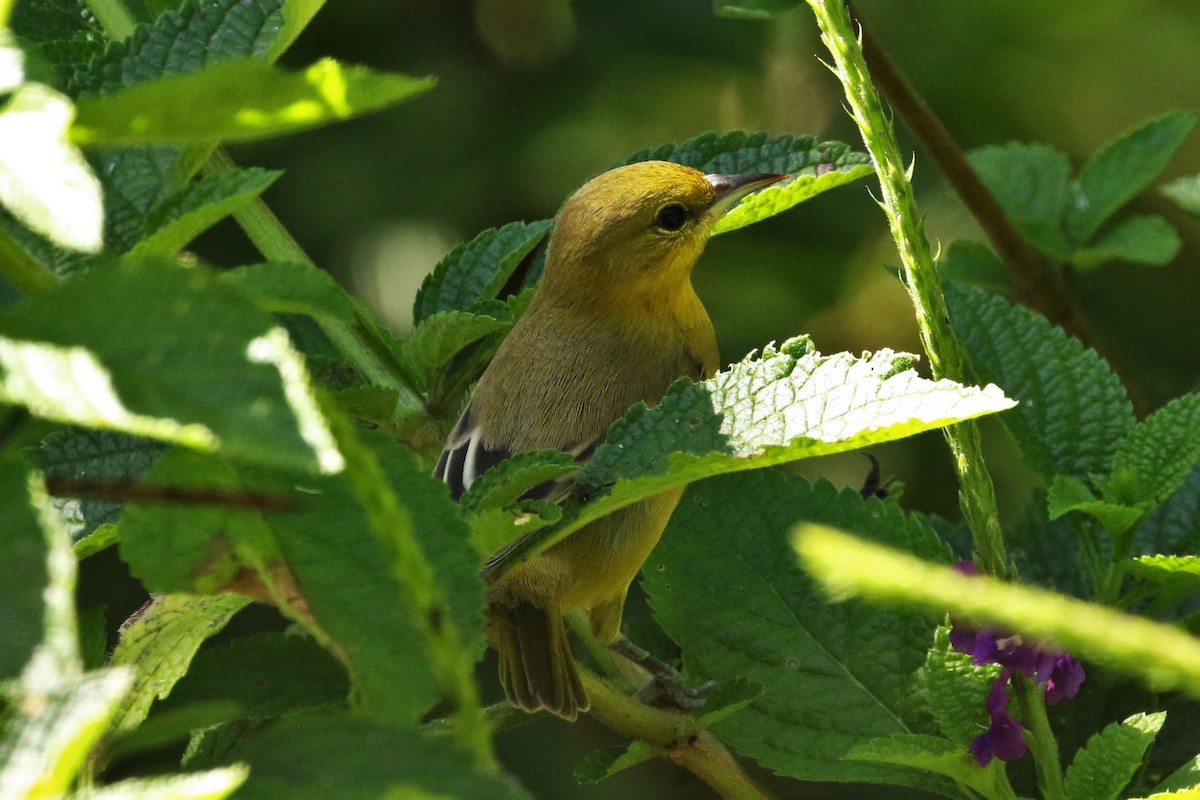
(671, 217)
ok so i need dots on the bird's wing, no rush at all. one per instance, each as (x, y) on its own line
(466, 456)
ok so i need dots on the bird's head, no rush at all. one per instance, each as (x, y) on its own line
(636, 231)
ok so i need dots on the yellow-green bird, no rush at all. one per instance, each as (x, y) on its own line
(615, 321)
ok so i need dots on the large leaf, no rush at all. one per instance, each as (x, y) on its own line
(155, 350)
(313, 755)
(722, 585)
(1158, 454)
(44, 180)
(23, 554)
(788, 404)
(1073, 411)
(237, 100)
(1031, 184)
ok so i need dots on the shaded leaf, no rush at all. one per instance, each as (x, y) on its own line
(1072, 411)
(1185, 192)
(1031, 184)
(1140, 239)
(1121, 169)
(1104, 765)
(609, 761)
(1158, 454)
(292, 288)
(23, 554)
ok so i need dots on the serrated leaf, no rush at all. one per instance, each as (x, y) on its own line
(197, 207)
(478, 269)
(198, 34)
(1030, 182)
(23, 555)
(283, 287)
(1139, 239)
(1174, 526)
(740, 152)
(1072, 411)
(1121, 169)
(790, 403)
(1068, 494)
(442, 335)
(939, 756)
(99, 457)
(266, 675)
(218, 374)
(1160, 655)
(1185, 192)
(956, 690)
(41, 21)
(301, 757)
(1184, 779)
(780, 197)
(237, 100)
(1104, 765)
(1183, 570)
(833, 677)
(44, 180)
(159, 645)
(609, 761)
(1158, 454)
(43, 746)
(213, 784)
(505, 483)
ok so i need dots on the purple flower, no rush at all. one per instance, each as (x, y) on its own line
(1002, 739)
(1066, 674)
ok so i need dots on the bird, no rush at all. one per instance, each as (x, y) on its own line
(614, 321)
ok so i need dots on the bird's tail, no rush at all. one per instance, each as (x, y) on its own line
(537, 669)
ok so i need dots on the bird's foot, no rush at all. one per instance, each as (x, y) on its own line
(667, 686)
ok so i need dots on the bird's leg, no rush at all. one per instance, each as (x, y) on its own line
(667, 686)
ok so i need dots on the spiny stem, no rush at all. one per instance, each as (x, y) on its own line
(946, 354)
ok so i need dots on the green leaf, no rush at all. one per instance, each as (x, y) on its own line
(739, 152)
(266, 675)
(160, 643)
(41, 21)
(1158, 454)
(609, 761)
(1104, 766)
(833, 677)
(1030, 182)
(217, 375)
(442, 335)
(1071, 494)
(1183, 570)
(477, 270)
(496, 528)
(237, 100)
(780, 197)
(1160, 655)
(752, 9)
(939, 756)
(102, 458)
(187, 40)
(23, 554)
(956, 690)
(44, 180)
(1121, 169)
(1185, 192)
(1185, 778)
(790, 403)
(292, 288)
(1139, 239)
(303, 756)
(197, 207)
(728, 698)
(44, 744)
(1174, 526)
(1073, 411)
(213, 784)
(503, 484)
(296, 16)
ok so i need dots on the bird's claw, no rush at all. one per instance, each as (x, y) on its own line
(674, 693)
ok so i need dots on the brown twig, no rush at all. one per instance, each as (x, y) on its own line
(1038, 285)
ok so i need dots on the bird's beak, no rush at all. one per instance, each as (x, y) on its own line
(732, 188)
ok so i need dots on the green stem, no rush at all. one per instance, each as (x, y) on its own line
(114, 17)
(1042, 744)
(946, 355)
(358, 342)
(26, 274)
